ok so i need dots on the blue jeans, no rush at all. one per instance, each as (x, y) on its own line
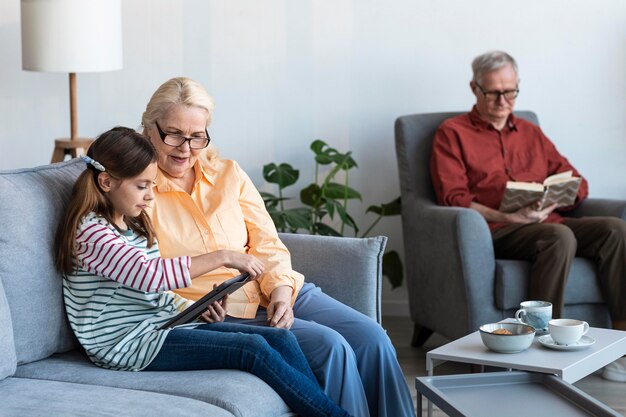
(271, 354)
(350, 354)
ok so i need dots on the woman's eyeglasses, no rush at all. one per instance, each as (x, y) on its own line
(175, 140)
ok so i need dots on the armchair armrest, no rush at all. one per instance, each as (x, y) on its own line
(347, 269)
(600, 207)
(450, 265)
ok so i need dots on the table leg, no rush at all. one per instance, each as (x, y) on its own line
(419, 404)
(430, 367)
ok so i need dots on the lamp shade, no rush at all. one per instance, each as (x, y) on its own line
(71, 35)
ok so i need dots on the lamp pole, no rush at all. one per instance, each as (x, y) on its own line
(73, 111)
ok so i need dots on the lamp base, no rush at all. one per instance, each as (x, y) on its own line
(66, 146)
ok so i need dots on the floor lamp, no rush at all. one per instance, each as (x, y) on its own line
(71, 36)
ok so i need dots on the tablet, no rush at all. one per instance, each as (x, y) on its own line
(196, 309)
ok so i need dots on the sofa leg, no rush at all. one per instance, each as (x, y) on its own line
(420, 335)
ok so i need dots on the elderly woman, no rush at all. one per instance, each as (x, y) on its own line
(207, 204)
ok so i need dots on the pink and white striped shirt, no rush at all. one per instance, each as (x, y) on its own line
(118, 295)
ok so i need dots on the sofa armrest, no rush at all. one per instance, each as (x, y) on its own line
(600, 207)
(347, 269)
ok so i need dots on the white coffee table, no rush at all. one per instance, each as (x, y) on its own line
(570, 366)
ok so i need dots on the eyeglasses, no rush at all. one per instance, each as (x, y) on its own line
(175, 140)
(495, 95)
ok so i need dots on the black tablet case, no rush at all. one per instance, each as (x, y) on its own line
(196, 309)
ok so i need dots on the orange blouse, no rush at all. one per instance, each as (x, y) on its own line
(223, 211)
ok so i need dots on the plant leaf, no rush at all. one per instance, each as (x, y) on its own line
(317, 145)
(347, 219)
(325, 230)
(393, 208)
(340, 191)
(392, 268)
(324, 154)
(311, 195)
(330, 208)
(284, 174)
(298, 218)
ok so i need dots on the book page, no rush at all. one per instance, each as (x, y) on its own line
(518, 185)
(557, 178)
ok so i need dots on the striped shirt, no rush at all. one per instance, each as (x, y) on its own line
(117, 296)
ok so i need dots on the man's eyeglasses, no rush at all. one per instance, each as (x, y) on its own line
(495, 95)
(175, 140)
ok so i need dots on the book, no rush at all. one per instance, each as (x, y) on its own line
(194, 311)
(559, 188)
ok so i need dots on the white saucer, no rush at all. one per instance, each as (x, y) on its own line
(583, 343)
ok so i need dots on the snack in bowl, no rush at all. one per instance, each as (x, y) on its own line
(507, 337)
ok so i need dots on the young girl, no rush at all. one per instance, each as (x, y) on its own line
(116, 285)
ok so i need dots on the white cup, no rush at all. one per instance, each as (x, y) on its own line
(567, 331)
(535, 313)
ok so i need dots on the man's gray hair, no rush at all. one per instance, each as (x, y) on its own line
(491, 61)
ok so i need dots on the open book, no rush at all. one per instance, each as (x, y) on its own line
(560, 188)
(196, 309)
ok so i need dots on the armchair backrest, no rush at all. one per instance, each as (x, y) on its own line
(414, 138)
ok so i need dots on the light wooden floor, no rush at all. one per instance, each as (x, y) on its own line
(413, 363)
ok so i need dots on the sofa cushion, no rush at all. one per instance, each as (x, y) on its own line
(34, 398)
(8, 360)
(31, 202)
(360, 259)
(512, 283)
(241, 393)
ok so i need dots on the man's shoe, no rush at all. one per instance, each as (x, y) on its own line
(615, 371)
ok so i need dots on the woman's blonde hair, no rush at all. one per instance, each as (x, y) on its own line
(179, 90)
(124, 154)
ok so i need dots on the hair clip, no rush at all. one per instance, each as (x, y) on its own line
(90, 161)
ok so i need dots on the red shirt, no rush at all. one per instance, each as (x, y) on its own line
(471, 161)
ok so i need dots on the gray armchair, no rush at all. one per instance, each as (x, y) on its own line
(454, 281)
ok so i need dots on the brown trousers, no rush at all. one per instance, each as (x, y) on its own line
(552, 247)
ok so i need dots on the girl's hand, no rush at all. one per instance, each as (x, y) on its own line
(244, 263)
(217, 311)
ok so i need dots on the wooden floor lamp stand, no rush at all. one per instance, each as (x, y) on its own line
(73, 148)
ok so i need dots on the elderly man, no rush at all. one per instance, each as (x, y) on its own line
(473, 157)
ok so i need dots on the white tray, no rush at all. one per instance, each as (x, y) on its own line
(510, 394)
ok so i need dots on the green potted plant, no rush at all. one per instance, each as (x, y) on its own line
(326, 202)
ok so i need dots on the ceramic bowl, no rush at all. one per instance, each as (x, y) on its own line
(520, 338)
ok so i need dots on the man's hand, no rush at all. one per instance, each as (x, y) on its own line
(279, 311)
(525, 215)
(531, 214)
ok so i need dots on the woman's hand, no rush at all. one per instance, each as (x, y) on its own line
(279, 311)
(216, 311)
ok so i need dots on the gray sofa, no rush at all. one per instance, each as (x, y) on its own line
(455, 283)
(43, 370)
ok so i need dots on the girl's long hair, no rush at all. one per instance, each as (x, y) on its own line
(124, 154)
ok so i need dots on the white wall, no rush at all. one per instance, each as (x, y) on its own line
(286, 72)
